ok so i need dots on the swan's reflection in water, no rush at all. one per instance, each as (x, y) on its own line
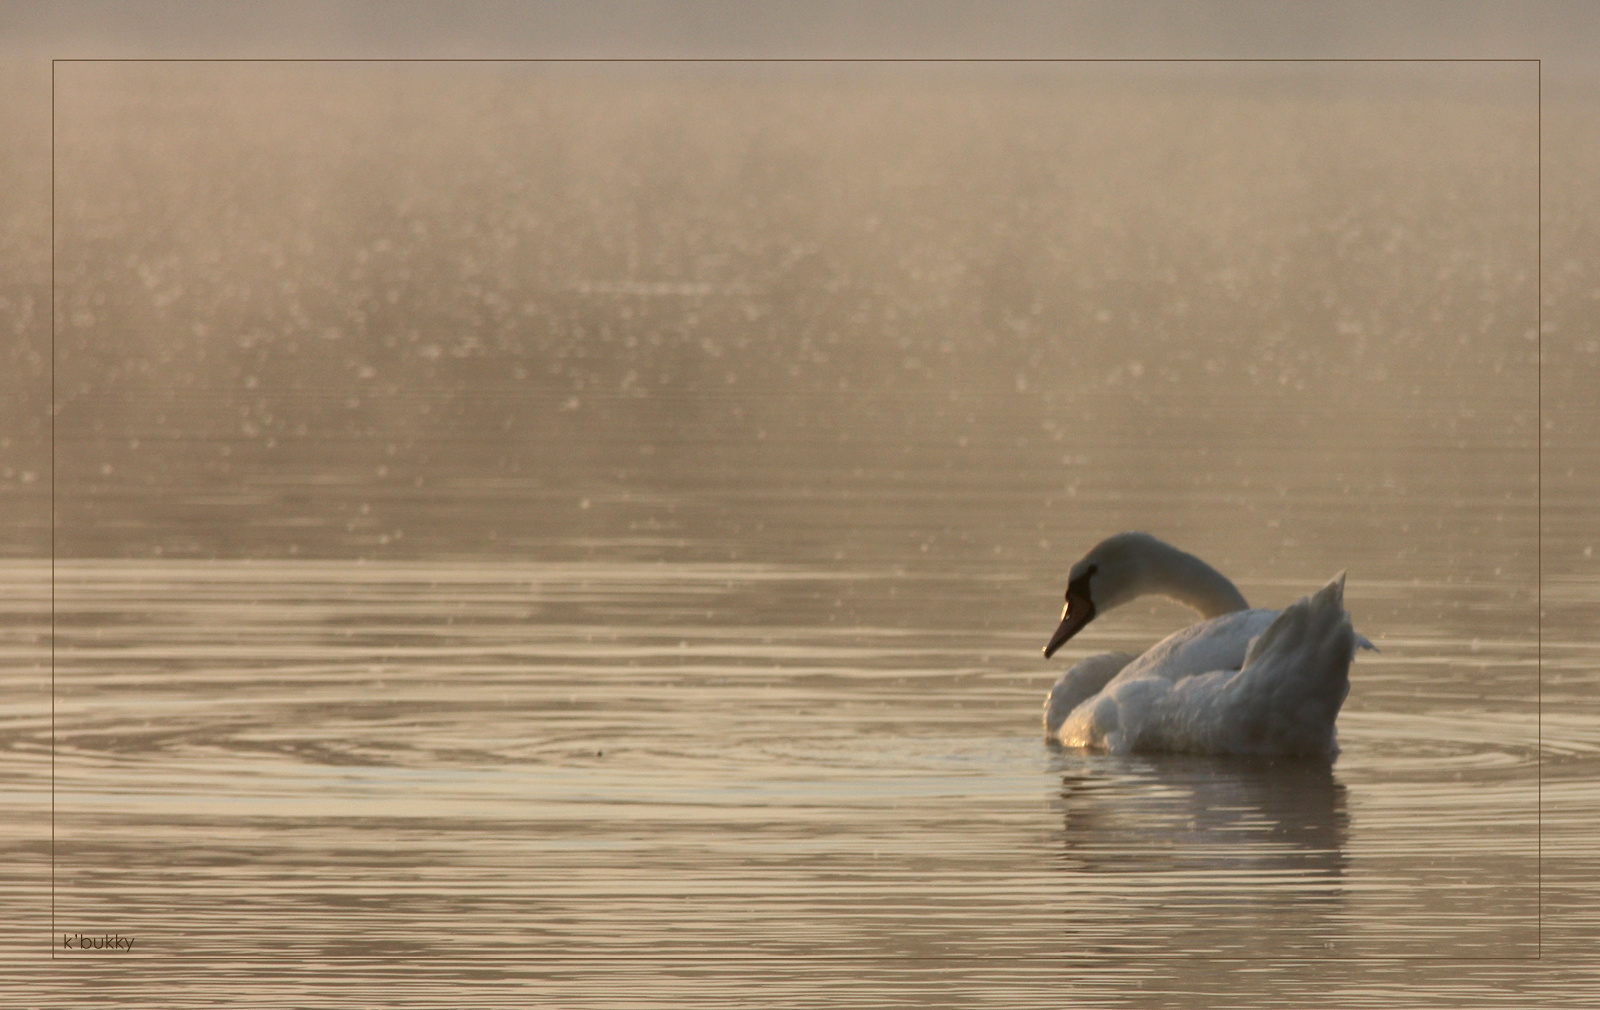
(1237, 857)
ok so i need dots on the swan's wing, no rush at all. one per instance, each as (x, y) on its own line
(1083, 681)
(1218, 644)
(1294, 678)
(1114, 716)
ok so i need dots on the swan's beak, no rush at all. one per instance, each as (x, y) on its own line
(1073, 620)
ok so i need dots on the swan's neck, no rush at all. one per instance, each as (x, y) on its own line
(1193, 583)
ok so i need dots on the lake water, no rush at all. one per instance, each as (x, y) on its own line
(544, 535)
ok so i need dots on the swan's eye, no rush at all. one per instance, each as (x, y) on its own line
(1080, 582)
(1078, 588)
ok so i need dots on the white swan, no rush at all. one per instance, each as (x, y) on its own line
(1242, 681)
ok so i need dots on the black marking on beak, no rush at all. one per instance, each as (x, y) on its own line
(1078, 612)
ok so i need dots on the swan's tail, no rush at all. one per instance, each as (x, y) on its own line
(1300, 666)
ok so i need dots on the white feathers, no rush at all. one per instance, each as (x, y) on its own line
(1259, 682)
(1083, 681)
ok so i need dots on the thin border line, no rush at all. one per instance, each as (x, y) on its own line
(1538, 410)
(52, 937)
(790, 59)
(1538, 510)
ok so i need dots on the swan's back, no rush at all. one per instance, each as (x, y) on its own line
(1217, 644)
(1294, 678)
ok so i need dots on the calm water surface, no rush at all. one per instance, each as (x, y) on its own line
(597, 549)
(585, 759)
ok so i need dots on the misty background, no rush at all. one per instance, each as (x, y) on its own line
(359, 294)
(1001, 279)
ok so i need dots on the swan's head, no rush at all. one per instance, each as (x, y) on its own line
(1129, 565)
(1114, 572)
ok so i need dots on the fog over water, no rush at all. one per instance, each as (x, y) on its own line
(611, 513)
(419, 273)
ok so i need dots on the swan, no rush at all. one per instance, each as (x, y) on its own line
(1242, 681)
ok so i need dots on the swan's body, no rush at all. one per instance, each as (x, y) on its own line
(1242, 681)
